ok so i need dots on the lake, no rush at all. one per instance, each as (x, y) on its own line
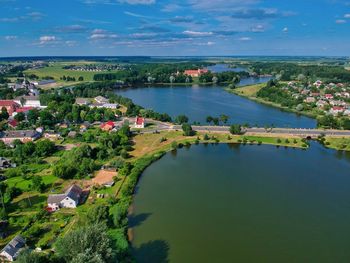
(235, 203)
(199, 102)
(218, 68)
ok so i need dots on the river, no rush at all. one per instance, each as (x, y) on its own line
(235, 203)
(199, 102)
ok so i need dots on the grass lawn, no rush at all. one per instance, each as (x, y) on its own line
(250, 90)
(56, 71)
(338, 143)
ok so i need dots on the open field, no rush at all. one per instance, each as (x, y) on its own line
(56, 71)
(249, 91)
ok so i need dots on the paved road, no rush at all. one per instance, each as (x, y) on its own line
(283, 131)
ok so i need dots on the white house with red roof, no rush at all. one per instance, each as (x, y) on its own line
(139, 122)
(336, 110)
(328, 96)
(107, 126)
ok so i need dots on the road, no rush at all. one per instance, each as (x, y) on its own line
(161, 126)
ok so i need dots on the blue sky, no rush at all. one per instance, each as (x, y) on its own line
(174, 28)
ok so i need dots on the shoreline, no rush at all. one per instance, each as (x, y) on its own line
(269, 103)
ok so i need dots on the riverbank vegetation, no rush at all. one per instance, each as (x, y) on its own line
(311, 101)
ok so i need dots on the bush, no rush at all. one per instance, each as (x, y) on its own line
(174, 145)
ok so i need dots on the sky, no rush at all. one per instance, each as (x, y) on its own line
(174, 28)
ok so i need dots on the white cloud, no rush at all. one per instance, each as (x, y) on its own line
(258, 29)
(245, 39)
(99, 31)
(9, 38)
(340, 21)
(285, 30)
(347, 16)
(47, 39)
(197, 33)
(220, 5)
(71, 43)
(101, 34)
(138, 2)
(171, 8)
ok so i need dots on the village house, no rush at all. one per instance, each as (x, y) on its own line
(328, 96)
(336, 110)
(195, 72)
(70, 199)
(139, 123)
(28, 101)
(318, 83)
(337, 103)
(82, 101)
(24, 110)
(11, 251)
(10, 105)
(310, 100)
(105, 105)
(84, 126)
(321, 103)
(107, 126)
(5, 163)
(24, 136)
(12, 123)
(51, 135)
(101, 100)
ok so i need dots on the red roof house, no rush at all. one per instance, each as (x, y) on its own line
(328, 96)
(107, 126)
(9, 105)
(13, 123)
(140, 122)
(24, 109)
(195, 72)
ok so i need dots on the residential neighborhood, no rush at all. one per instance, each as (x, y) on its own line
(329, 98)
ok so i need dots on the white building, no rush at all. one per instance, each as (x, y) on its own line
(101, 100)
(28, 101)
(70, 199)
(11, 251)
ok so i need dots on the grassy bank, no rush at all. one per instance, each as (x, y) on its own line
(342, 144)
(251, 91)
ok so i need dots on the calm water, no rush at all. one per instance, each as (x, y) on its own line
(199, 102)
(218, 68)
(244, 204)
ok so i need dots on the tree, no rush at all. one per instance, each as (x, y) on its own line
(4, 114)
(187, 129)
(44, 148)
(23, 101)
(98, 214)
(33, 116)
(20, 117)
(235, 129)
(224, 118)
(209, 119)
(216, 121)
(88, 242)
(81, 78)
(37, 183)
(29, 256)
(181, 119)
